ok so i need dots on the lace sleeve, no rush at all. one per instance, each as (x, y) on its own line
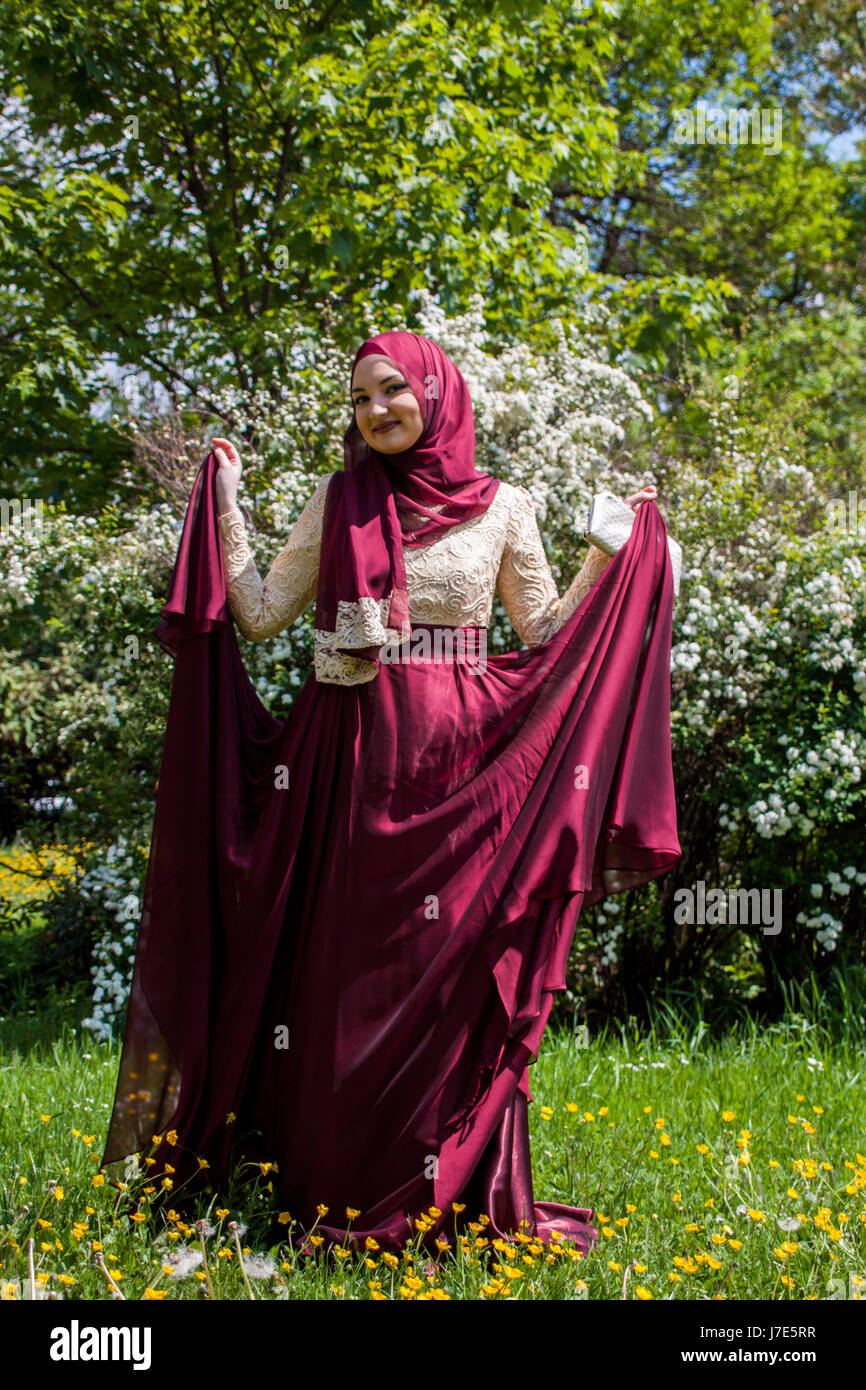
(260, 608)
(525, 583)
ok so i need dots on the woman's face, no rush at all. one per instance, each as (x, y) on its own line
(386, 411)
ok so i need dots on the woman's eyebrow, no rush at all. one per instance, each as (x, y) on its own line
(395, 376)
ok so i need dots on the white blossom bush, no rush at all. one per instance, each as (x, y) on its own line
(767, 666)
(116, 883)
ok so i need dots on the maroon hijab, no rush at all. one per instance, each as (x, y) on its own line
(361, 600)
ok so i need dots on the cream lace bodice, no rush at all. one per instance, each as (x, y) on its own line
(452, 580)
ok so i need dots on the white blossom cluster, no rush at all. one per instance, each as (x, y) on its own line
(608, 938)
(762, 597)
(544, 420)
(826, 927)
(115, 882)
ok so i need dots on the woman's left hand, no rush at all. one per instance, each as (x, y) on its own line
(648, 494)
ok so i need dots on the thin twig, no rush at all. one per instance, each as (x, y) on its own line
(628, 1269)
(233, 1227)
(101, 1265)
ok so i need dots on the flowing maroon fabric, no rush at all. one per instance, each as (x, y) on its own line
(399, 914)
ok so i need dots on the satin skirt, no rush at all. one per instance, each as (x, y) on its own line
(355, 919)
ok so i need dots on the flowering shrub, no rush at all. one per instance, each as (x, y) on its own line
(768, 671)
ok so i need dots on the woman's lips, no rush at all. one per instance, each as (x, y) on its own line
(392, 424)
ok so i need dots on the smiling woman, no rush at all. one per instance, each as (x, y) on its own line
(355, 919)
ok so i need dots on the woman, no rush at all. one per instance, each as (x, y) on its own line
(355, 919)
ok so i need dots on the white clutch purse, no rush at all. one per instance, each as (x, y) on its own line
(609, 526)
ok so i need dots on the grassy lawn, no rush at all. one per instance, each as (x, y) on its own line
(718, 1170)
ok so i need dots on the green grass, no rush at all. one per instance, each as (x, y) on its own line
(665, 1095)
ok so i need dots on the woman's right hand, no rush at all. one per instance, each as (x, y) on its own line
(228, 473)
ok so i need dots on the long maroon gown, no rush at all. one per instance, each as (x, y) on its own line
(350, 975)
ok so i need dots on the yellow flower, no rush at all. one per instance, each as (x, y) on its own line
(155, 1294)
(622, 1221)
(45, 1119)
(588, 1116)
(692, 1226)
(612, 1264)
(222, 1211)
(735, 1244)
(703, 1148)
(629, 1207)
(317, 1240)
(642, 1292)
(717, 1239)
(603, 1110)
(341, 1253)
(571, 1107)
(664, 1140)
(647, 1110)
(390, 1260)
(352, 1213)
(677, 1197)
(757, 1215)
(546, 1112)
(675, 1278)
(435, 1212)
(458, 1206)
(284, 1218)
(137, 1217)
(728, 1115)
(653, 1153)
(87, 1138)
(171, 1137)
(58, 1194)
(231, 1117)
(202, 1163)
(322, 1210)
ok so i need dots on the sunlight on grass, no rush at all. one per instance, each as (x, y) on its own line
(716, 1171)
